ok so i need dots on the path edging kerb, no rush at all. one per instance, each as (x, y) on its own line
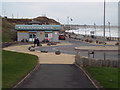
(88, 76)
(36, 67)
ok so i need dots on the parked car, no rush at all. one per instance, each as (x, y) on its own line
(61, 37)
(46, 40)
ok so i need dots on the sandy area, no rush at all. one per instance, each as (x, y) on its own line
(97, 48)
(44, 58)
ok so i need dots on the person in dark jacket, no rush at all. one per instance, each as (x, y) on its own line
(35, 42)
(38, 42)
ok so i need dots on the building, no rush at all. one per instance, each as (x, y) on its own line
(36, 30)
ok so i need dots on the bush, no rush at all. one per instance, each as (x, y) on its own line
(117, 43)
(90, 41)
(97, 41)
(86, 40)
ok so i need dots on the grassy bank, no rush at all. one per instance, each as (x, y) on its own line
(107, 77)
(8, 32)
(15, 66)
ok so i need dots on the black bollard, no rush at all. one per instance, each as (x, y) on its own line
(57, 52)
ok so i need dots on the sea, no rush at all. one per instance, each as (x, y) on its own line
(109, 32)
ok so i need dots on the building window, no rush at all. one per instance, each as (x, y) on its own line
(32, 35)
(46, 34)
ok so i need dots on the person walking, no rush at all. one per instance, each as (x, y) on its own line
(35, 42)
(38, 42)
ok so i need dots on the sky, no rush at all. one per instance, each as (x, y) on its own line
(80, 12)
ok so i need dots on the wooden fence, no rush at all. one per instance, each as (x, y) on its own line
(84, 61)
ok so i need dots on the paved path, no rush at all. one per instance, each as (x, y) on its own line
(44, 58)
(57, 76)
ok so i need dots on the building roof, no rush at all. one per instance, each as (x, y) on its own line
(35, 22)
(38, 27)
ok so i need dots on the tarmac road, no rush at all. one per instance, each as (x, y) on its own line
(57, 76)
(69, 49)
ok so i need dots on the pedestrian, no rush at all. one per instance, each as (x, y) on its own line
(38, 42)
(35, 42)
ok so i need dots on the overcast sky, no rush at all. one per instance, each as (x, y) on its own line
(80, 12)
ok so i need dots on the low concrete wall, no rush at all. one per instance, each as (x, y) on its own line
(6, 44)
(98, 38)
(84, 61)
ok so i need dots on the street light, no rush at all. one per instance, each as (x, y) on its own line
(77, 29)
(85, 28)
(95, 29)
(109, 30)
(104, 31)
(68, 20)
(104, 24)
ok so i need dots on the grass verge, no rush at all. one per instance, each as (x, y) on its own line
(106, 76)
(15, 66)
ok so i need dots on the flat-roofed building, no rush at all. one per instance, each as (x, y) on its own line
(30, 32)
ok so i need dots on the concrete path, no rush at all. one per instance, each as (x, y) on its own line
(44, 58)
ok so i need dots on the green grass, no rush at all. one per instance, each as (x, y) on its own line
(106, 76)
(15, 66)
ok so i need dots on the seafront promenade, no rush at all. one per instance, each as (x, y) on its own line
(50, 63)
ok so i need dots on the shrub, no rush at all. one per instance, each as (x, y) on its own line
(117, 43)
(90, 41)
(86, 40)
(97, 41)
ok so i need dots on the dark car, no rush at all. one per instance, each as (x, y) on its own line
(61, 37)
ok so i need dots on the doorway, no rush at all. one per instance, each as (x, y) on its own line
(32, 36)
(48, 35)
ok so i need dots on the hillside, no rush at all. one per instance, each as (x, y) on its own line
(47, 21)
(42, 19)
(0, 29)
(8, 24)
(8, 32)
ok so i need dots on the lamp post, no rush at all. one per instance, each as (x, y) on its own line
(104, 25)
(85, 28)
(109, 30)
(68, 20)
(104, 31)
(77, 29)
(95, 29)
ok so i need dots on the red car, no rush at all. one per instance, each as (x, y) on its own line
(61, 37)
